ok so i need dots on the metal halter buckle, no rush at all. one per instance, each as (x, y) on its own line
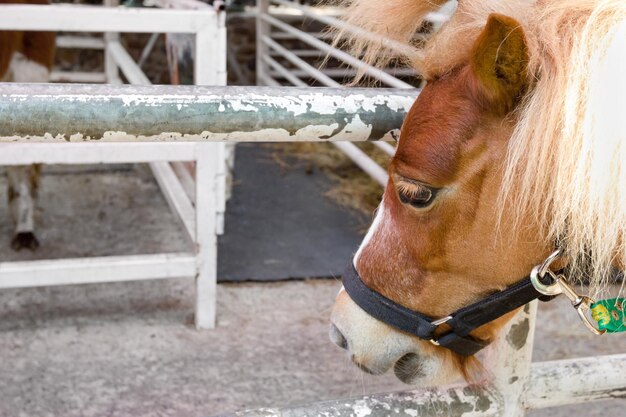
(559, 285)
(437, 323)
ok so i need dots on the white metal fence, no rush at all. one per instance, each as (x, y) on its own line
(200, 217)
(56, 114)
(215, 114)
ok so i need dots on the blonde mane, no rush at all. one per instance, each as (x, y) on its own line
(566, 160)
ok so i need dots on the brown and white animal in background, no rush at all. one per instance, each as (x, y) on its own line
(25, 57)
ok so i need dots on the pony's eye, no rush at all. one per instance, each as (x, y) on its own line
(418, 196)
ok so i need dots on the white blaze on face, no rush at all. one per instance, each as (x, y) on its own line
(378, 220)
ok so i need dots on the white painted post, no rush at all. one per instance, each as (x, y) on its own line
(210, 180)
(222, 79)
(511, 358)
(206, 238)
(110, 67)
(205, 57)
(262, 30)
(222, 75)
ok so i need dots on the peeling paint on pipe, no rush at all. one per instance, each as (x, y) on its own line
(450, 402)
(553, 383)
(70, 112)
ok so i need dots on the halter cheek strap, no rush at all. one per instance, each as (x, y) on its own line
(461, 322)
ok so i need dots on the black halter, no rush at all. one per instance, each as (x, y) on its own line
(461, 322)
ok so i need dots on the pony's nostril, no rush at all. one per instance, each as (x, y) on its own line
(337, 338)
(409, 368)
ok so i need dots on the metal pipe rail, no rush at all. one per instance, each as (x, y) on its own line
(551, 384)
(457, 401)
(513, 385)
(71, 112)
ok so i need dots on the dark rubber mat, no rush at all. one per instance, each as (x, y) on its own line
(279, 224)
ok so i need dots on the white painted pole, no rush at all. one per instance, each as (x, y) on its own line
(147, 50)
(385, 147)
(126, 64)
(79, 42)
(110, 67)
(207, 161)
(72, 18)
(78, 77)
(228, 159)
(222, 66)
(210, 181)
(95, 269)
(175, 196)
(284, 72)
(365, 162)
(262, 31)
(577, 380)
(509, 358)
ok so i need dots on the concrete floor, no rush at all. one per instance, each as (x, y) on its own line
(128, 349)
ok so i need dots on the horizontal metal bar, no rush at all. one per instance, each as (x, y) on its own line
(78, 77)
(72, 18)
(456, 401)
(303, 53)
(290, 36)
(349, 72)
(93, 270)
(198, 113)
(94, 153)
(552, 383)
(183, 4)
(577, 380)
(79, 42)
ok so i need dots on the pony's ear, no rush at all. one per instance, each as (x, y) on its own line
(499, 62)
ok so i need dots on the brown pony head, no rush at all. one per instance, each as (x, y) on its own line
(435, 245)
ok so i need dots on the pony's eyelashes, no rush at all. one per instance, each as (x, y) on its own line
(416, 194)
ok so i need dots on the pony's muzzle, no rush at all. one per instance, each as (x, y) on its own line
(375, 347)
(371, 345)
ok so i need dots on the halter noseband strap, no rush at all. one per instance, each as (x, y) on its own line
(461, 322)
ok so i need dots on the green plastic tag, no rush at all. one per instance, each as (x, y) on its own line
(610, 314)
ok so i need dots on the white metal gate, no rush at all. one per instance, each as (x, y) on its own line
(201, 219)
